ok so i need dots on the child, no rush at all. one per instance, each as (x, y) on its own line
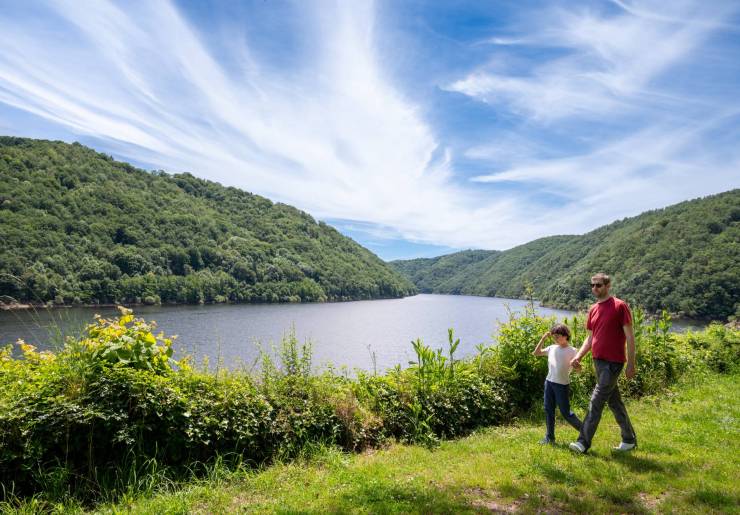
(557, 384)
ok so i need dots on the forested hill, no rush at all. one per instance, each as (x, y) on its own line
(77, 226)
(684, 258)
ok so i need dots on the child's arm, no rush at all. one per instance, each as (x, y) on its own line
(538, 350)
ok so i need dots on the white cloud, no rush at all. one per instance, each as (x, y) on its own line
(338, 141)
(605, 74)
(651, 168)
(334, 136)
(609, 62)
(503, 41)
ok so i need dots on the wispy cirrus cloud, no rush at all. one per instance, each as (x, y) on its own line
(638, 98)
(607, 64)
(332, 136)
(643, 170)
(296, 102)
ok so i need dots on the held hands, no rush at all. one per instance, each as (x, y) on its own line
(575, 363)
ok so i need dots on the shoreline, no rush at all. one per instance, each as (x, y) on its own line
(18, 306)
(26, 306)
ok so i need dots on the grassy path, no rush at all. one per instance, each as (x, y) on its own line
(688, 461)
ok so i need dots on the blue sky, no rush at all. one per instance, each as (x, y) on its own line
(416, 127)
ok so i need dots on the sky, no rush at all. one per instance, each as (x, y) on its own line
(417, 128)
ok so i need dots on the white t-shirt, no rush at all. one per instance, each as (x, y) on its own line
(558, 363)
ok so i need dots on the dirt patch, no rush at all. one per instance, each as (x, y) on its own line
(651, 502)
(241, 503)
(491, 502)
(487, 500)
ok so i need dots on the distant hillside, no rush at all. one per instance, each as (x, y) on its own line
(440, 273)
(77, 226)
(684, 258)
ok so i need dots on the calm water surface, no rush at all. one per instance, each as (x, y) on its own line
(343, 334)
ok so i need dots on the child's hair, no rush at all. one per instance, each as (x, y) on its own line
(561, 329)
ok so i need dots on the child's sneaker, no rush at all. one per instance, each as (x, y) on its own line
(625, 447)
(547, 441)
(577, 447)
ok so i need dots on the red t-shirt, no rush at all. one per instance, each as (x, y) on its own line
(605, 321)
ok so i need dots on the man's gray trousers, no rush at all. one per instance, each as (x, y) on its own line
(606, 392)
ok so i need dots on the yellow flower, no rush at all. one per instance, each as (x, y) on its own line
(27, 348)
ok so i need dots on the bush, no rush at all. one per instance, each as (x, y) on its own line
(522, 374)
(468, 401)
(718, 347)
(88, 421)
(125, 342)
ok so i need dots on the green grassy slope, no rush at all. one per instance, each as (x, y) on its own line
(77, 226)
(687, 462)
(684, 258)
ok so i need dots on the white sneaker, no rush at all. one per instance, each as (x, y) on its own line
(577, 447)
(624, 447)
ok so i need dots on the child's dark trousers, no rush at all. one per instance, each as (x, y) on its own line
(558, 394)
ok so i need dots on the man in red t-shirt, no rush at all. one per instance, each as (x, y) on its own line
(610, 326)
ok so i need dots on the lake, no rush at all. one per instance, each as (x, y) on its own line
(342, 333)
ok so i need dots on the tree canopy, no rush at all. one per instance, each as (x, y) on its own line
(76, 226)
(684, 258)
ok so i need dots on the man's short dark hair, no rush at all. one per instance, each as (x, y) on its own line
(561, 329)
(601, 276)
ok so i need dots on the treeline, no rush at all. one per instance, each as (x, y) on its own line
(78, 227)
(684, 258)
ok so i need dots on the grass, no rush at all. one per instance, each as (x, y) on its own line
(687, 461)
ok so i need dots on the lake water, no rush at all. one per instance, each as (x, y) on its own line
(343, 334)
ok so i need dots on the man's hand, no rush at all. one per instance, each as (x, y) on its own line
(576, 364)
(630, 371)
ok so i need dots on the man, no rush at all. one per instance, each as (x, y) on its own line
(610, 325)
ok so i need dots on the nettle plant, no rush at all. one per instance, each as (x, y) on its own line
(126, 342)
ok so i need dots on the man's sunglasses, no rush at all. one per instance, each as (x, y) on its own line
(596, 285)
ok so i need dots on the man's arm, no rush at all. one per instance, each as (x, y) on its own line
(538, 350)
(576, 362)
(631, 360)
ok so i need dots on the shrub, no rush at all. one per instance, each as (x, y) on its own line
(86, 422)
(125, 342)
(389, 397)
(513, 363)
(468, 401)
(436, 397)
(718, 347)
(360, 427)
